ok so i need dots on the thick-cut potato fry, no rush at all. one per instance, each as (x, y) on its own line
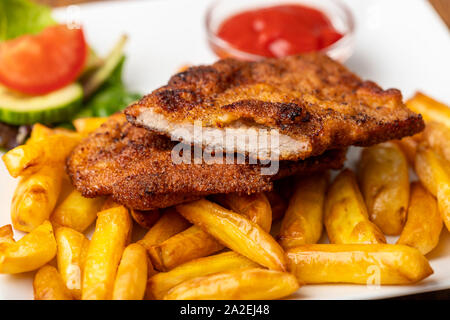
(431, 168)
(241, 284)
(384, 180)
(277, 203)
(236, 232)
(303, 220)
(35, 198)
(6, 235)
(170, 223)
(112, 230)
(146, 219)
(31, 252)
(346, 218)
(430, 109)
(131, 275)
(434, 173)
(39, 132)
(409, 147)
(31, 157)
(23, 160)
(377, 264)
(76, 211)
(185, 246)
(254, 206)
(48, 285)
(424, 224)
(437, 136)
(71, 255)
(87, 125)
(159, 284)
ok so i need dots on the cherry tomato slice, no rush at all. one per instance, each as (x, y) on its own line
(38, 64)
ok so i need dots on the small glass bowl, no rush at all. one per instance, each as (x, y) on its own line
(339, 15)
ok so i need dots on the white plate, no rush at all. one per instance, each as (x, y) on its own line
(401, 44)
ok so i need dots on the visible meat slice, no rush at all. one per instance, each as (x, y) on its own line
(135, 166)
(311, 101)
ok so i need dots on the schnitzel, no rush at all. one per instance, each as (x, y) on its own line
(313, 102)
(135, 166)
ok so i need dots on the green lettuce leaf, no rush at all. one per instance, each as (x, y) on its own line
(111, 97)
(19, 17)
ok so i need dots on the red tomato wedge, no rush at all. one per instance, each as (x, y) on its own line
(38, 64)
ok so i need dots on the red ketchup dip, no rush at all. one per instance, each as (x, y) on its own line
(279, 30)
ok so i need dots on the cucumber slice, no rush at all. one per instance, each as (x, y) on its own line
(99, 76)
(56, 106)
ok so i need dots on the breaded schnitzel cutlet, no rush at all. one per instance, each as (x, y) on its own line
(135, 166)
(314, 102)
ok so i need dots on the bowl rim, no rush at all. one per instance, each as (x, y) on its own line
(234, 52)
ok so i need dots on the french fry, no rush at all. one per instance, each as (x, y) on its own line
(31, 252)
(434, 173)
(71, 255)
(254, 206)
(23, 160)
(88, 125)
(384, 180)
(277, 203)
(437, 136)
(346, 218)
(303, 220)
(6, 235)
(39, 132)
(241, 284)
(187, 245)
(409, 147)
(159, 284)
(76, 211)
(377, 264)
(170, 223)
(146, 219)
(236, 232)
(431, 168)
(424, 224)
(430, 109)
(112, 230)
(131, 275)
(48, 285)
(31, 157)
(35, 198)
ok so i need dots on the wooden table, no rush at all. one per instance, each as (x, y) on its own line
(442, 7)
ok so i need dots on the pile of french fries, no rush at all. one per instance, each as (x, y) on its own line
(226, 247)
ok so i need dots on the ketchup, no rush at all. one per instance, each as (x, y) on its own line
(279, 30)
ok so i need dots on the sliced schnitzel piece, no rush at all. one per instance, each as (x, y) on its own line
(311, 101)
(135, 166)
